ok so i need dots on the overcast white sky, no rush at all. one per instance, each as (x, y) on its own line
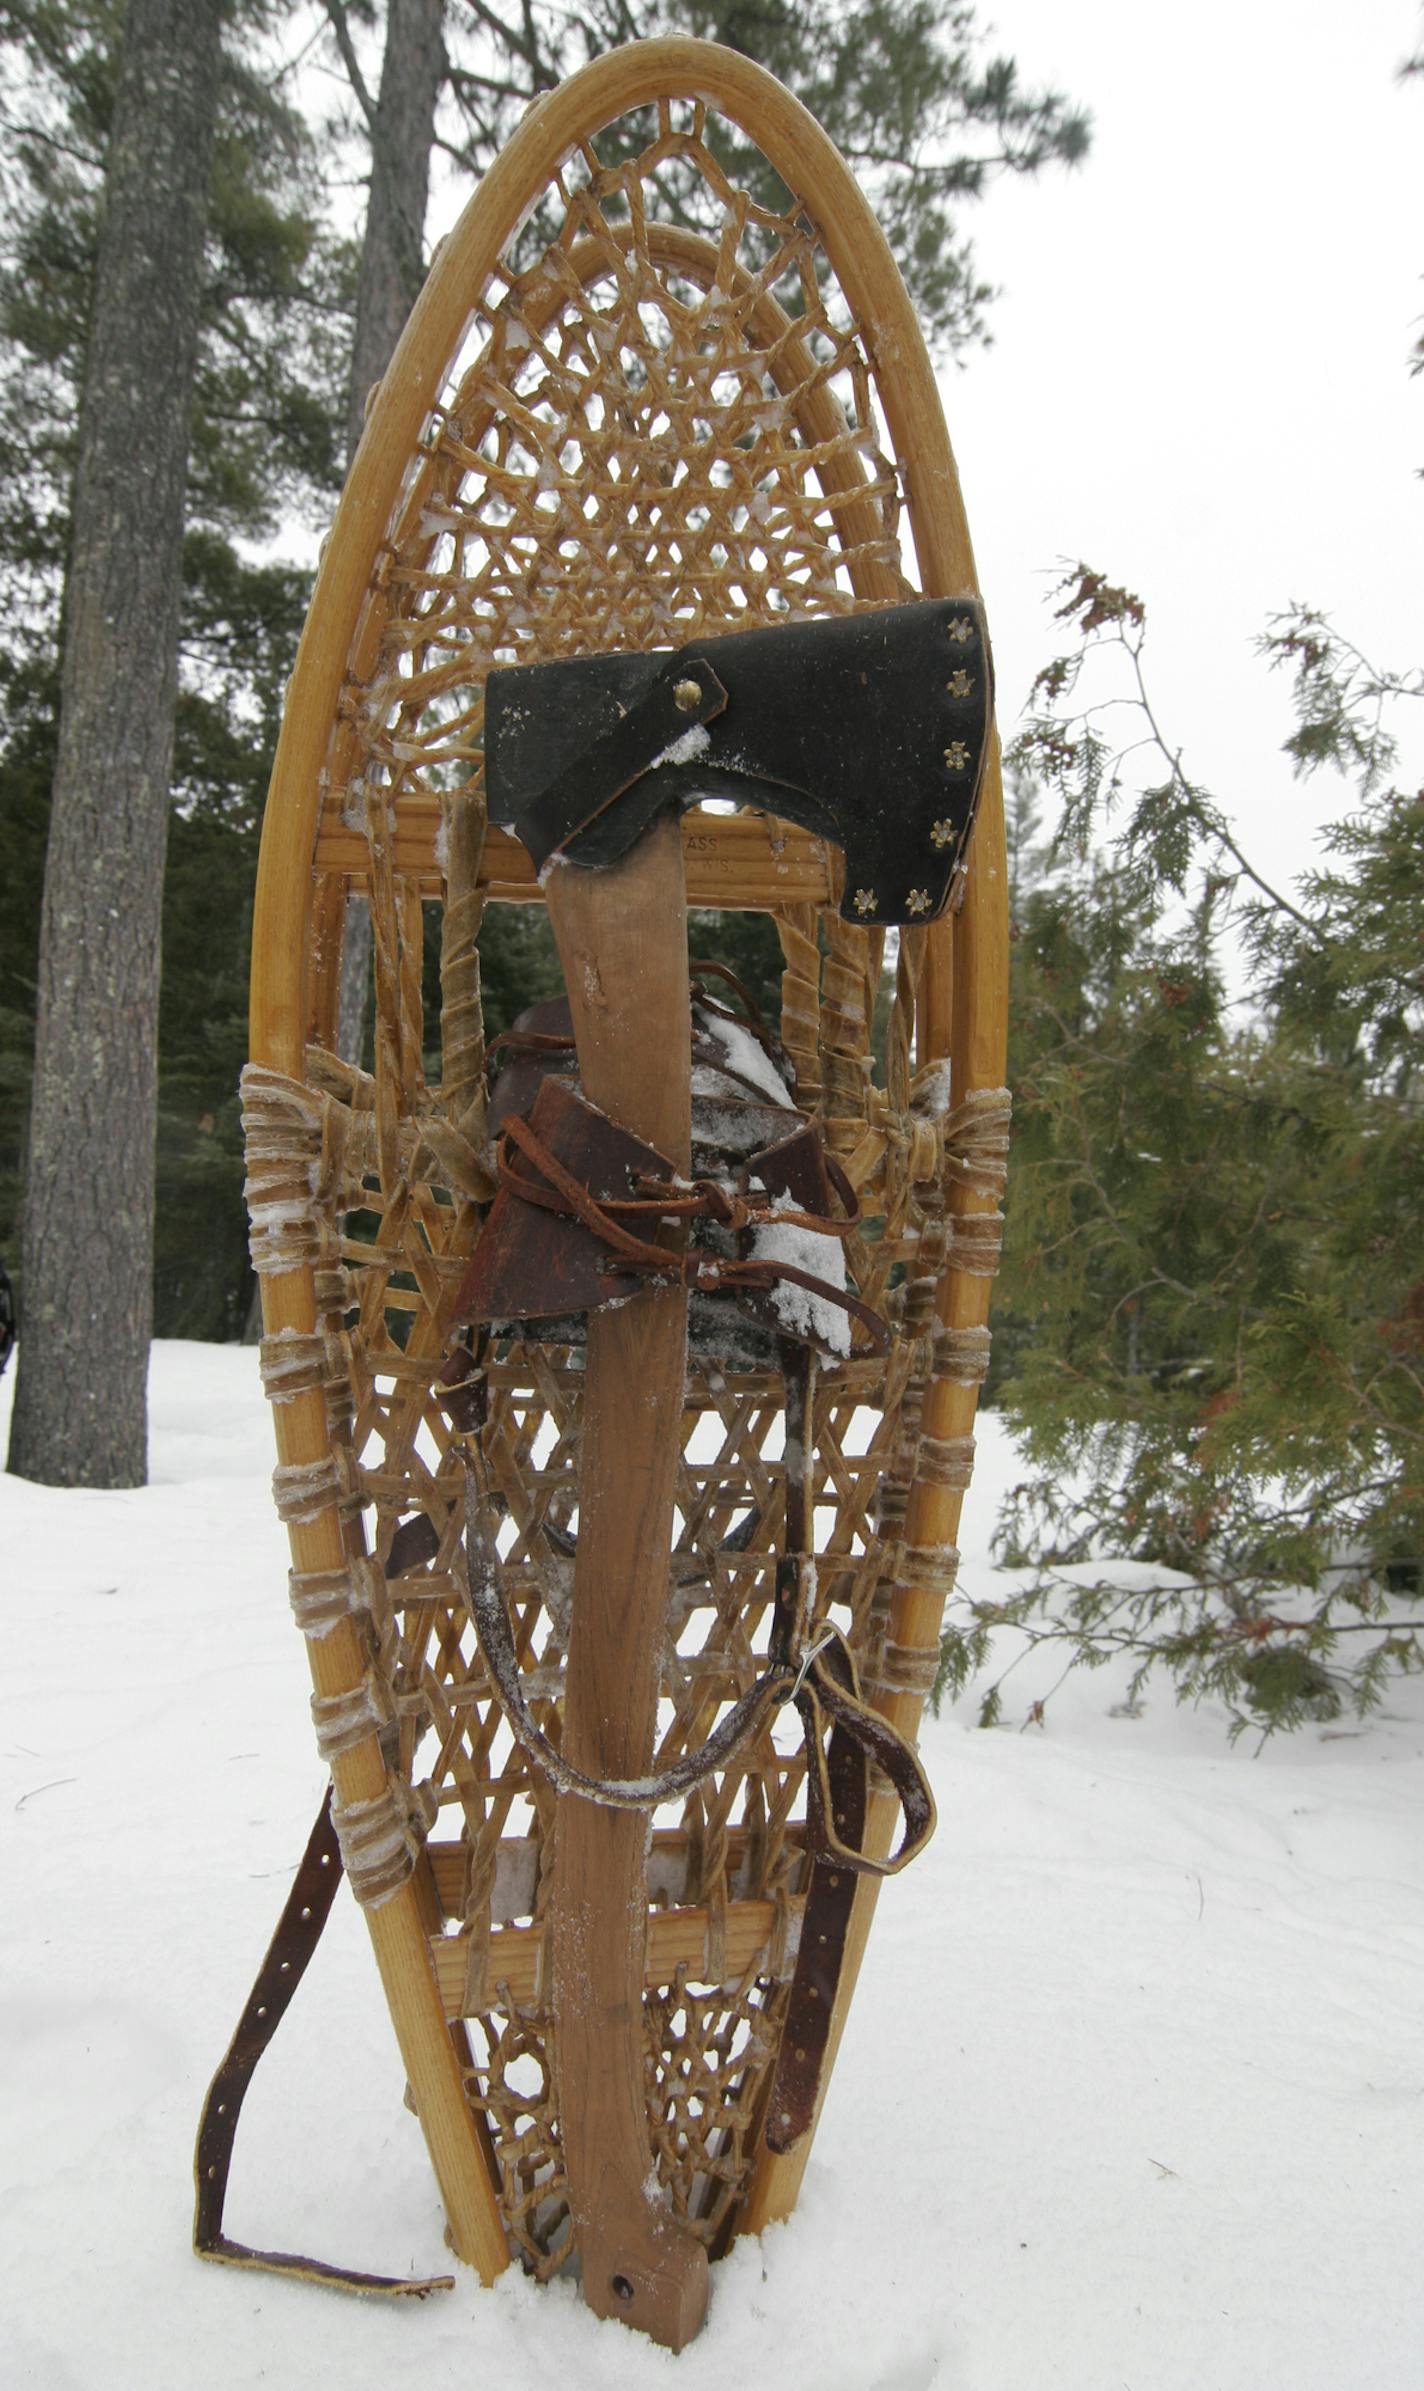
(1198, 382)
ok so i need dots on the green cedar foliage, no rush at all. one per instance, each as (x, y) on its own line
(1213, 1291)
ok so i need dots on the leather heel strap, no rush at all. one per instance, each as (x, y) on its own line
(299, 1930)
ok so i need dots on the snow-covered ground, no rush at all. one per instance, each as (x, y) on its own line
(1131, 2099)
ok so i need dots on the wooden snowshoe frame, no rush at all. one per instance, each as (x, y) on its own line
(604, 428)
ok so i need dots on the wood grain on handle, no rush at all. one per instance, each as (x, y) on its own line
(622, 938)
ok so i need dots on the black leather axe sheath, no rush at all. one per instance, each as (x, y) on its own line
(866, 729)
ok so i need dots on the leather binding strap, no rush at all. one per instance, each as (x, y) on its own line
(869, 729)
(820, 1956)
(299, 1930)
(563, 1232)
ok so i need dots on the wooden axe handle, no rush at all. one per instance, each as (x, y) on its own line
(622, 938)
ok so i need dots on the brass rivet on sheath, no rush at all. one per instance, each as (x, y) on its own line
(687, 696)
(956, 755)
(960, 684)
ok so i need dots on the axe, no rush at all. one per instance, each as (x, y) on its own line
(870, 730)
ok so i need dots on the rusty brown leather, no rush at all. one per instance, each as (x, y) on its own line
(825, 1922)
(299, 1930)
(838, 1785)
(304, 1914)
(536, 1264)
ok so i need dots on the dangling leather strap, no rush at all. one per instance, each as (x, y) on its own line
(304, 1914)
(820, 1956)
(838, 1783)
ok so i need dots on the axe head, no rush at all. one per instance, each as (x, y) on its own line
(870, 730)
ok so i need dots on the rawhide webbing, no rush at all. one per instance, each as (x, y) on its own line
(819, 1680)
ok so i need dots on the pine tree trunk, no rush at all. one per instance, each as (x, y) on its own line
(80, 1414)
(392, 270)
